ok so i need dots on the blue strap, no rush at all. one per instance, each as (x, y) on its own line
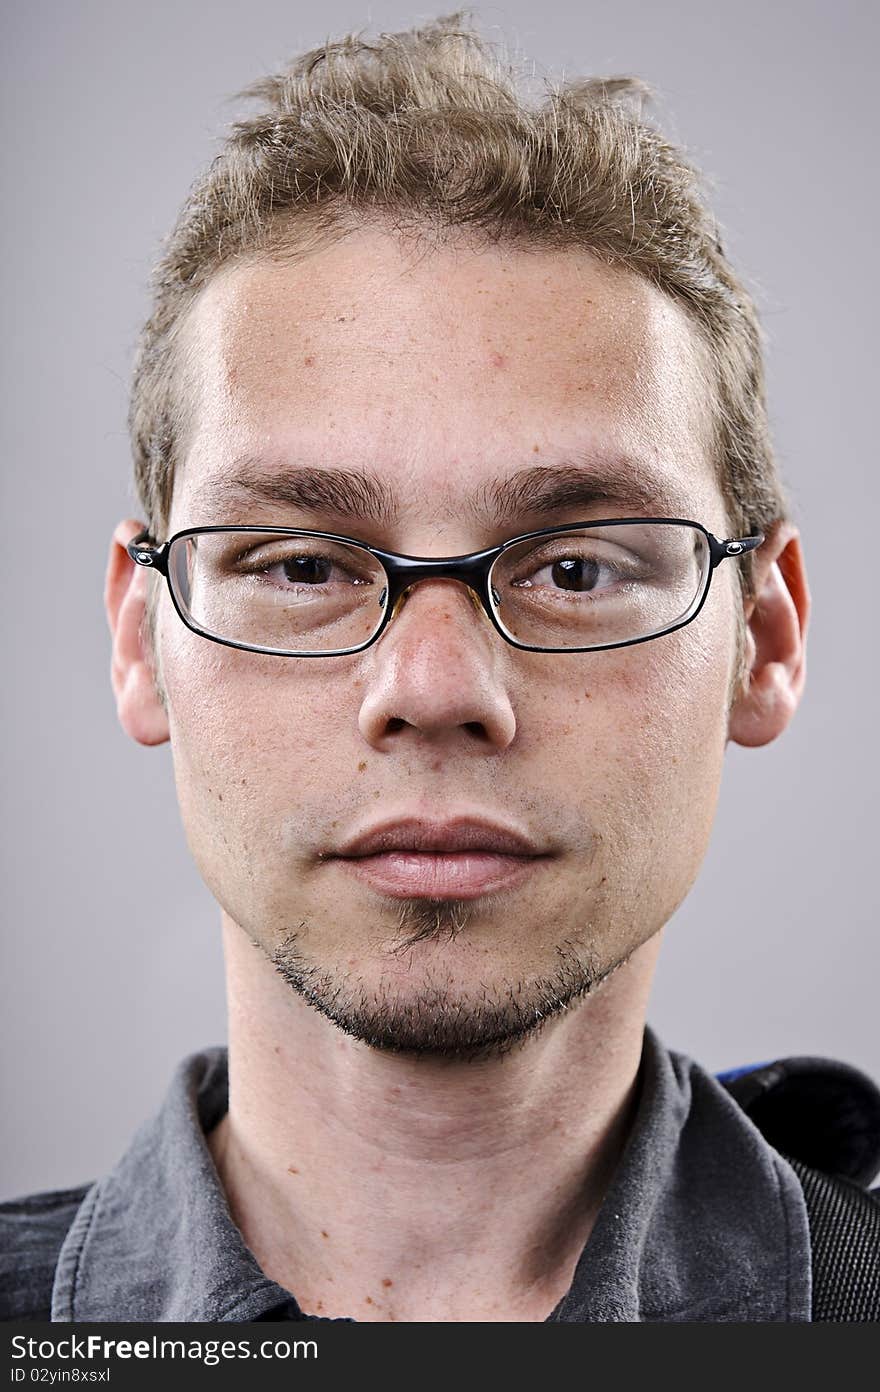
(732, 1073)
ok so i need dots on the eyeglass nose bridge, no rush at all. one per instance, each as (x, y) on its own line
(404, 575)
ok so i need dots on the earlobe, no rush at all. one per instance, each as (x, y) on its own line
(139, 706)
(777, 622)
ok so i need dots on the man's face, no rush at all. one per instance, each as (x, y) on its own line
(441, 372)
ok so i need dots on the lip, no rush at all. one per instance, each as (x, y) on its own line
(456, 834)
(460, 857)
(439, 875)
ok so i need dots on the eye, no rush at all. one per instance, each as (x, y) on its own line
(303, 565)
(575, 574)
(572, 565)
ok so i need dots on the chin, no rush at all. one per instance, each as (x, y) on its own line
(433, 995)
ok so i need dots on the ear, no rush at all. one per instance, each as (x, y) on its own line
(140, 709)
(776, 635)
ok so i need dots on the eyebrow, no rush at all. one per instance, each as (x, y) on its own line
(361, 495)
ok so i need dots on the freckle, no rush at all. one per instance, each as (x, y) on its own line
(369, 1300)
(278, 1048)
(308, 361)
(589, 695)
(323, 1234)
(497, 359)
(361, 766)
(335, 823)
(536, 449)
(387, 1281)
(244, 782)
(377, 793)
(437, 765)
(220, 797)
(291, 1169)
(319, 1305)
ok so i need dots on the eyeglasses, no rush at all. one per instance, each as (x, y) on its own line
(572, 588)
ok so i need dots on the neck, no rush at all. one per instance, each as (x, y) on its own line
(386, 1187)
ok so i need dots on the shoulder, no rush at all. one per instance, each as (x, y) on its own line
(32, 1231)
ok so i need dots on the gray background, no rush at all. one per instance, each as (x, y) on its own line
(111, 959)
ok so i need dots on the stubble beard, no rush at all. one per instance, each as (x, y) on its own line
(438, 1020)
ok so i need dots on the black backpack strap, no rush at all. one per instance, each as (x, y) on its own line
(825, 1112)
(823, 1116)
(844, 1223)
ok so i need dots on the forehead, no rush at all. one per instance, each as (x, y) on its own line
(436, 369)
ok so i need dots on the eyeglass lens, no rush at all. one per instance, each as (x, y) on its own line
(576, 589)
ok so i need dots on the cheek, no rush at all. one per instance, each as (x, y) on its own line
(641, 734)
(252, 745)
(677, 734)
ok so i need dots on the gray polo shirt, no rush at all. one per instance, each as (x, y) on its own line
(703, 1221)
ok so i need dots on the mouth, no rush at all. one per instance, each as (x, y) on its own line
(440, 874)
(463, 857)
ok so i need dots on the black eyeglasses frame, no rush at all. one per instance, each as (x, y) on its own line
(403, 571)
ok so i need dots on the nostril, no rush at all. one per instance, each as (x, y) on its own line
(395, 723)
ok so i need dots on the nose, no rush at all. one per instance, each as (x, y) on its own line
(437, 672)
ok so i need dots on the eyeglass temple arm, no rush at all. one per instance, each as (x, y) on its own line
(155, 556)
(733, 546)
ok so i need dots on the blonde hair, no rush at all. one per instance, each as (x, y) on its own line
(431, 129)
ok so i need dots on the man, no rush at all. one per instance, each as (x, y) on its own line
(445, 814)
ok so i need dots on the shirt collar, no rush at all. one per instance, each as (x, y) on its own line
(154, 1240)
(702, 1221)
